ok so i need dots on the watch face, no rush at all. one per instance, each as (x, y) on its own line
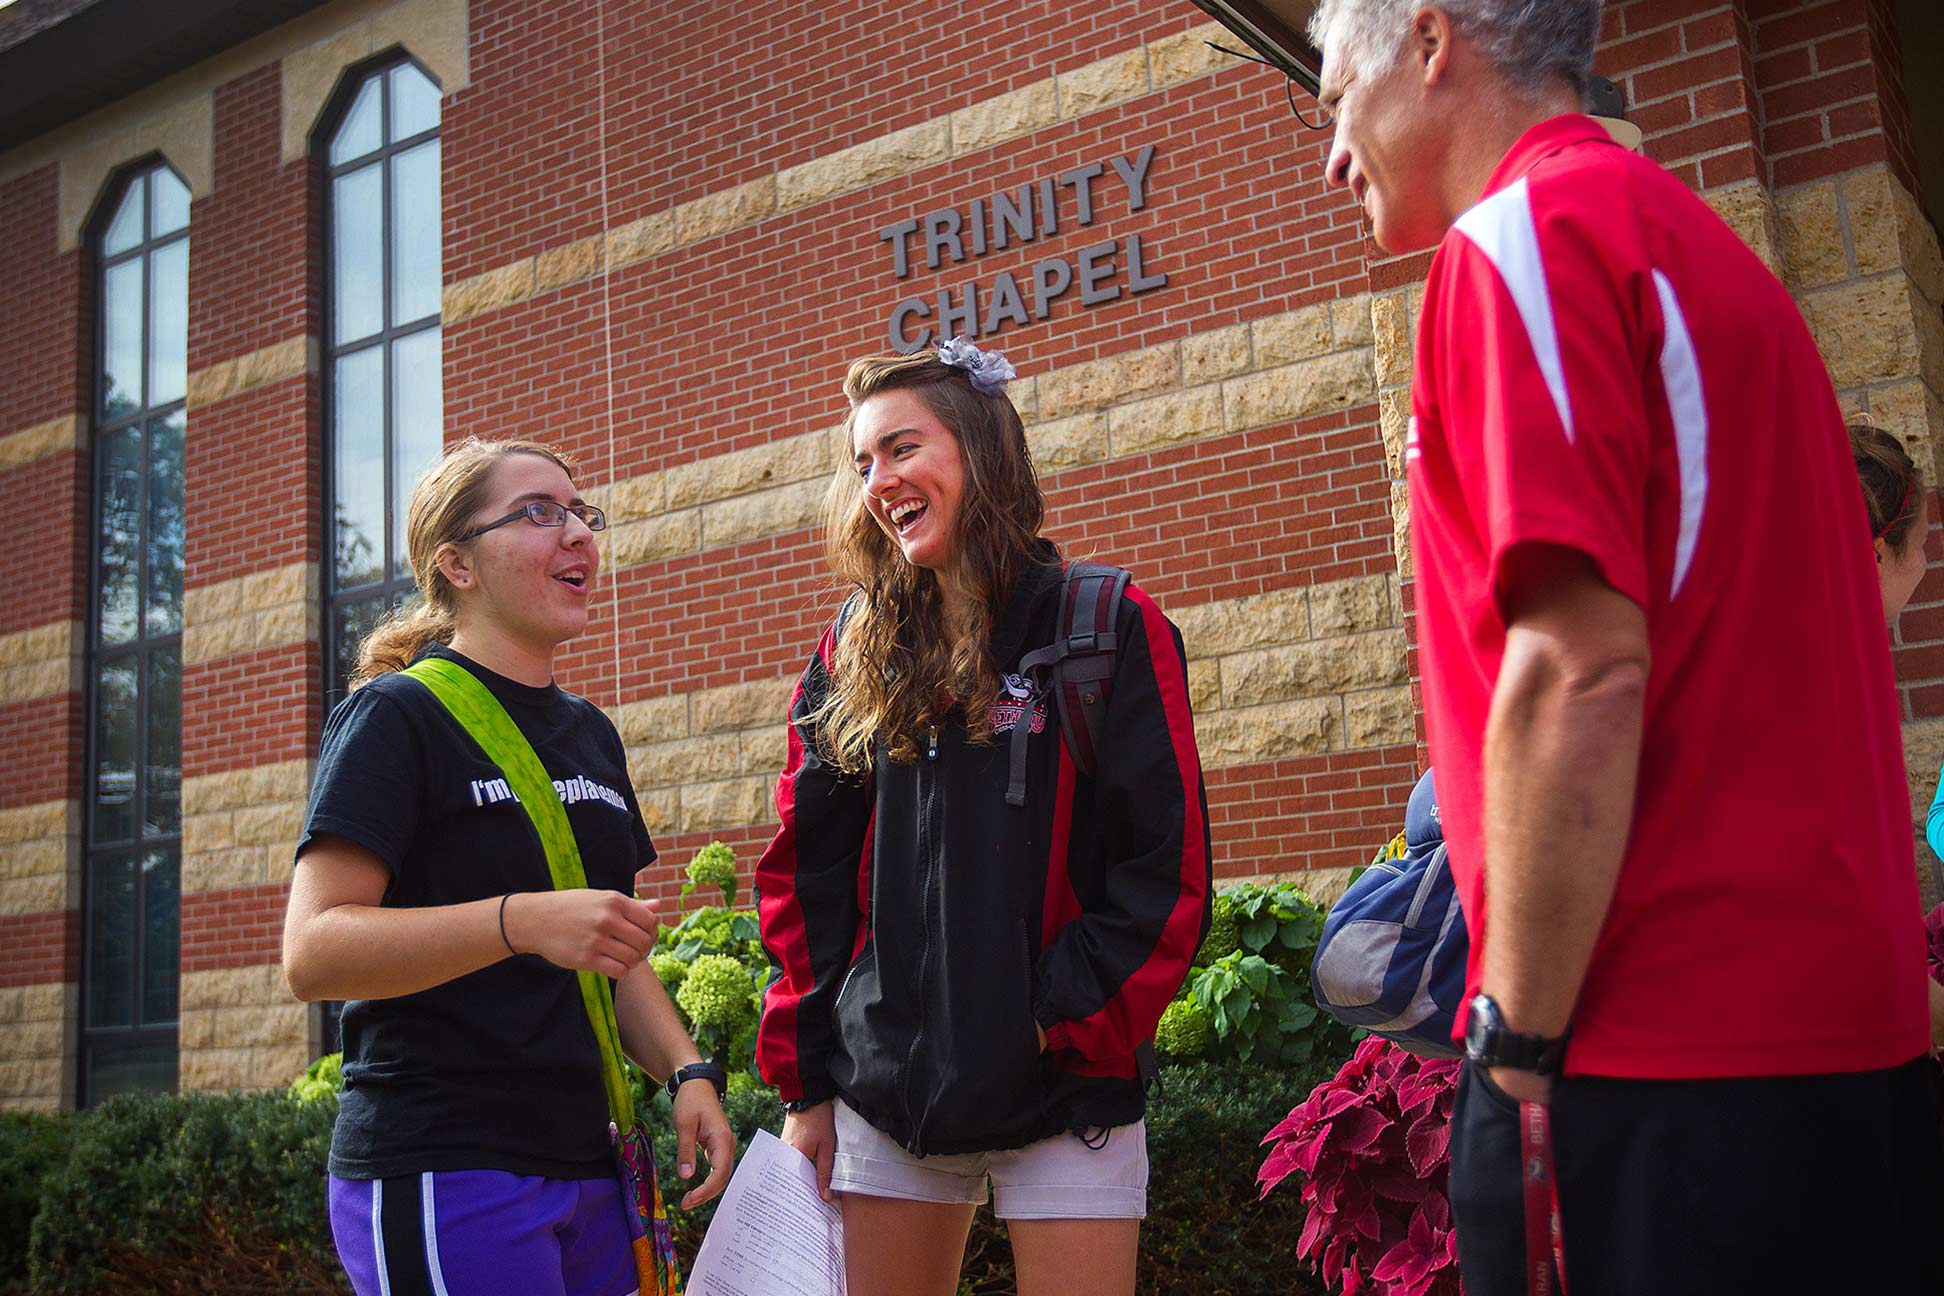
(1480, 1025)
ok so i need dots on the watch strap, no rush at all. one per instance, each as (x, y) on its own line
(710, 1071)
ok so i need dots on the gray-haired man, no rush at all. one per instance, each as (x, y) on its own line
(1658, 696)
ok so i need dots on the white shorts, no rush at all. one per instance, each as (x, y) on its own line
(1056, 1178)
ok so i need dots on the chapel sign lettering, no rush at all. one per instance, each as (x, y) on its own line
(975, 310)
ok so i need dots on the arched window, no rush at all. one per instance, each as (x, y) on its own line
(132, 897)
(383, 394)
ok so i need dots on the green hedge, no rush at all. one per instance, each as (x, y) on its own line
(218, 1195)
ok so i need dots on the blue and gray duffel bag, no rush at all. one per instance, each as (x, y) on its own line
(1392, 955)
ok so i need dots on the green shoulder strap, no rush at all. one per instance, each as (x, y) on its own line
(480, 714)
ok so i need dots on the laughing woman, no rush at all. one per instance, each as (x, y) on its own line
(472, 1151)
(973, 937)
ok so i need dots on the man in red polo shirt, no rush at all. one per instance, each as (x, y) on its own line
(1658, 694)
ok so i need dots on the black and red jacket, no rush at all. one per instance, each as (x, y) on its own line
(918, 926)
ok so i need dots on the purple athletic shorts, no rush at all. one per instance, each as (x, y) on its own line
(459, 1232)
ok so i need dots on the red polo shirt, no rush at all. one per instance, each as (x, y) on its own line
(1602, 365)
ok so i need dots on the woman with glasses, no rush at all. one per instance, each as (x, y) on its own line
(472, 1150)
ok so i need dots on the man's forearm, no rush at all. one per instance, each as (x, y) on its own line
(1562, 749)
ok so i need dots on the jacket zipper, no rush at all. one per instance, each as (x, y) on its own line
(926, 781)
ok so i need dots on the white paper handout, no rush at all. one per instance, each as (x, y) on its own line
(772, 1235)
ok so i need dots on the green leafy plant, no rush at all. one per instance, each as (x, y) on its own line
(1183, 1031)
(323, 1079)
(1250, 983)
(714, 865)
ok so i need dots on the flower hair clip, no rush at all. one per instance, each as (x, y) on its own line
(989, 371)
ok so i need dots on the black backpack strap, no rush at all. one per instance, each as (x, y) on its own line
(1077, 667)
(843, 616)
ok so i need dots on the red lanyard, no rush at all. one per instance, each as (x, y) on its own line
(1545, 1251)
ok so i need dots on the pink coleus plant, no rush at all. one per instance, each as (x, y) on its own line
(1373, 1144)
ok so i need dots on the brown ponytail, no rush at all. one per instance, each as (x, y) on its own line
(1893, 489)
(444, 503)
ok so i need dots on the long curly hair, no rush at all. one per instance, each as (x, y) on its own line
(900, 667)
(445, 503)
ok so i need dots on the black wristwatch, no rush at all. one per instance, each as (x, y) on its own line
(710, 1071)
(1489, 1044)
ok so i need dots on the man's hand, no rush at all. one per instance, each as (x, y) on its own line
(813, 1132)
(699, 1120)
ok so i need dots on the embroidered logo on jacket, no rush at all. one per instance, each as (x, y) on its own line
(1015, 695)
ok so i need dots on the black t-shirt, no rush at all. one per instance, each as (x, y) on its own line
(496, 1070)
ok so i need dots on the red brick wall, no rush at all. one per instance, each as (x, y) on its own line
(1831, 89)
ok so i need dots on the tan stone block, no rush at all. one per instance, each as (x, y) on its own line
(10, 997)
(31, 895)
(811, 456)
(1350, 606)
(653, 720)
(1912, 412)
(766, 751)
(269, 825)
(655, 538)
(40, 819)
(1186, 55)
(1024, 393)
(1923, 258)
(32, 1085)
(36, 680)
(771, 512)
(1109, 380)
(1068, 442)
(63, 435)
(1350, 321)
(743, 706)
(53, 641)
(864, 164)
(292, 623)
(1002, 117)
(224, 988)
(1210, 630)
(1868, 330)
(1401, 527)
(686, 760)
(196, 1030)
(661, 810)
(1394, 425)
(1309, 727)
(640, 239)
(489, 290)
(47, 1001)
(1748, 210)
(175, 119)
(1811, 225)
(277, 1065)
(211, 1070)
(1313, 669)
(735, 804)
(1380, 718)
(222, 870)
(262, 1025)
(215, 602)
(631, 498)
(1875, 219)
(1204, 685)
(24, 1040)
(1297, 391)
(1221, 353)
(42, 857)
(1294, 335)
(1390, 339)
(1165, 420)
(570, 263)
(1103, 83)
(290, 358)
(433, 30)
(203, 833)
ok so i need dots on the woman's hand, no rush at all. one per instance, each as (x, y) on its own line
(583, 930)
(699, 1119)
(813, 1132)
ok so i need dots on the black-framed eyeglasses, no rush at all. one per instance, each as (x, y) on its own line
(546, 513)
